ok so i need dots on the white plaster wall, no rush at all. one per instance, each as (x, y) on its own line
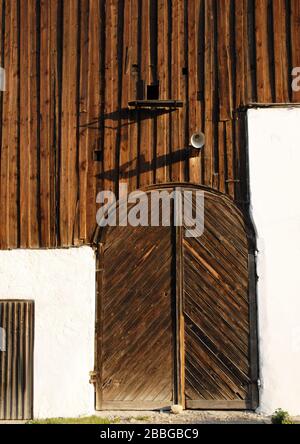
(62, 284)
(274, 151)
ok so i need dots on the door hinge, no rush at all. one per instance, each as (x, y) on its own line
(93, 377)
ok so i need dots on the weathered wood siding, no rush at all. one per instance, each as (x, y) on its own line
(73, 65)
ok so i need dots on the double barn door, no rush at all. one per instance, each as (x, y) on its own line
(174, 320)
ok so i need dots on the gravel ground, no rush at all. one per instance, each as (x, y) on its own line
(187, 417)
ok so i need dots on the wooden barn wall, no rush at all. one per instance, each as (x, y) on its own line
(73, 65)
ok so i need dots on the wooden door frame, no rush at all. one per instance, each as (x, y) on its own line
(179, 322)
(179, 376)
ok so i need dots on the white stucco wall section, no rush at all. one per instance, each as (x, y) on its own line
(62, 284)
(274, 151)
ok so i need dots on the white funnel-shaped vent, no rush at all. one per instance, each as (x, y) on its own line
(198, 140)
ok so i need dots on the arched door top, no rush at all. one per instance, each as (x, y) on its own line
(226, 200)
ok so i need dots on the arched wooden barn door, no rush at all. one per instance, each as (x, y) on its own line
(176, 314)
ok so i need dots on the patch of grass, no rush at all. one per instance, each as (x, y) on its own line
(83, 420)
(142, 418)
(281, 417)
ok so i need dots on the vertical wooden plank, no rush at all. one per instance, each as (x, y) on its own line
(132, 94)
(68, 173)
(295, 41)
(64, 148)
(209, 60)
(280, 49)
(13, 135)
(146, 161)
(224, 60)
(111, 97)
(14, 386)
(263, 74)
(34, 226)
(208, 152)
(94, 113)
(84, 120)
(27, 362)
(178, 92)
(4, 183)
(4, 202)
(180, 354)
(244, 45)
(56, 82)
(174, 91)
(222, 157)
(45, 122)
(241, 160)
(195, 105)
(48, 69)
(163, 121)
(183, 90)
(73, 124)
(29, 226)
(22, 336)
(241, 50)
(209, 92)
(125, 91)
(9, 148)
(230, 159)
(2, 48)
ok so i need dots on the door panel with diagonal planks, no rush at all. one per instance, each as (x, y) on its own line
(136, 308)
(216, 310)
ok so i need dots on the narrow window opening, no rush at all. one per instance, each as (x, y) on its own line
(153, 92)
(98, 155)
